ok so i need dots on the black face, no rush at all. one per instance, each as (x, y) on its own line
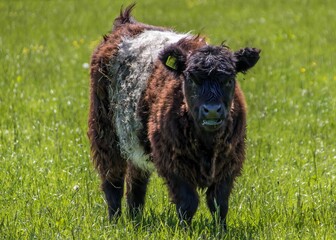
(209, 87)
(209, 78)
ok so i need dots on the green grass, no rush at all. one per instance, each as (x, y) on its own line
(49, 189)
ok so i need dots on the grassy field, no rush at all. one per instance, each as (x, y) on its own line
(48, 187)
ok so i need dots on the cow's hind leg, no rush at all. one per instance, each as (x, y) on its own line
(136, 182)
(105, 152)
(114, 191)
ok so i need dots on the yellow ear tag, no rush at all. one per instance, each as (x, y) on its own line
(171, 62)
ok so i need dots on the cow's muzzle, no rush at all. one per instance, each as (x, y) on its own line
(212, 116)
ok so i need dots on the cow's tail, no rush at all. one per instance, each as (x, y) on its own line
(124, 17)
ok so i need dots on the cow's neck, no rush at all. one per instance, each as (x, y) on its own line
(208, 140)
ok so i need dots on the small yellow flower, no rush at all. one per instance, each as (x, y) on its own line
(302, 70)
(314, 64)
(335, 77)
(292, 36)
(25, 51)
(75, 44)
(18, 79)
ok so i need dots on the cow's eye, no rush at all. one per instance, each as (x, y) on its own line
(229, 83)
(195, 79)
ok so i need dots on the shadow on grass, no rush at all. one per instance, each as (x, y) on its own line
(166, 223)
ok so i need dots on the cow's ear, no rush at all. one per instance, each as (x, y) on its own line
(246, 58)
(174, 58)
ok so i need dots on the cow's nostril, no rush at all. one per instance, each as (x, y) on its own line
(212, 111)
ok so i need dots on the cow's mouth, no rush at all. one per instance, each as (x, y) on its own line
(212, 124)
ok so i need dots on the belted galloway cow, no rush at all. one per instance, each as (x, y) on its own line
(167, 101)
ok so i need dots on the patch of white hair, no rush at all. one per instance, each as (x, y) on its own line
(130, 70)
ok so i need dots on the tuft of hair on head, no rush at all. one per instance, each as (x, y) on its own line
(105, 37)
(125, 16)
(224, 45)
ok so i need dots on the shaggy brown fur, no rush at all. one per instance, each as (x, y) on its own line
(177, 118)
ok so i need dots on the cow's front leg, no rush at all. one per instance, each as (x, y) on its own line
(218, 199)
(185, 197)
